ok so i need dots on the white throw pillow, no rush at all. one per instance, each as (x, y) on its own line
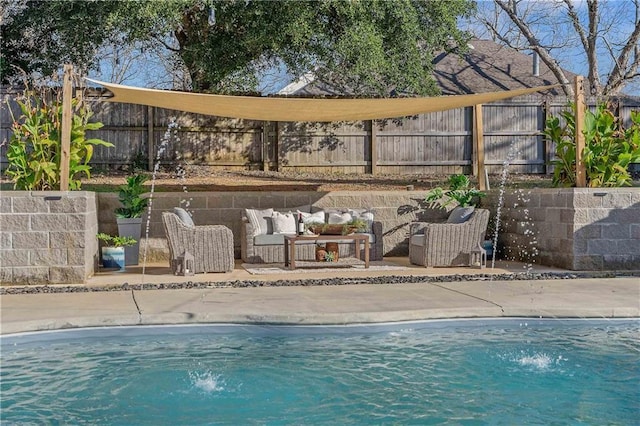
(284, 223)
(260, 220)
(366, 215)
(339, 218)
(309, 218)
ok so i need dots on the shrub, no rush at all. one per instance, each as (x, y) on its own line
(34, 150)
(609, 148)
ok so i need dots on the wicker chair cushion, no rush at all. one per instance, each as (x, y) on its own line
(417, 240)
(184, 216)
(460, 214)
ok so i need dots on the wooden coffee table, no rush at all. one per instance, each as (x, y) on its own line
(290, 246)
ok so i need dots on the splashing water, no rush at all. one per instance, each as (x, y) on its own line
(207, 382)
(169, 134)
(539, 361)
(511, 155)
(528, 250)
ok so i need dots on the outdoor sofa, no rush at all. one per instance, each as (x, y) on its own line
(262, 233)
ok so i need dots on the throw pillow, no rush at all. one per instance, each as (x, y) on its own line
(366, 215)
(339, 218)
(284, 223)
(309, 218)
(184, 216)
(460, 214)
(260, 220)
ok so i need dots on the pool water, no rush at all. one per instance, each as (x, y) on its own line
(525, 372)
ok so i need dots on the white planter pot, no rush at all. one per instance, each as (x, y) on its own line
(131, 228)
(113, 258)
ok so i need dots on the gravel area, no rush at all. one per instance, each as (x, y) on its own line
(523, 276)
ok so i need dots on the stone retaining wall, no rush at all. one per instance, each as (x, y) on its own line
(47, 237)
(579, 229)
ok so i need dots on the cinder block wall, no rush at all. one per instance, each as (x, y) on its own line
(395, 209)
(47, 237)
(572, 228)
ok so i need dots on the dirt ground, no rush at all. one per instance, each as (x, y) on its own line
(203, 179)
(197, 178)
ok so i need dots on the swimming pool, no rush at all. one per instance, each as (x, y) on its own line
(456, 372)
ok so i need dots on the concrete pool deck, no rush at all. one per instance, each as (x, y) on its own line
(333, 304)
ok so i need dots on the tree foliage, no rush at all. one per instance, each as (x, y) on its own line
(367, 46)
(605, 33)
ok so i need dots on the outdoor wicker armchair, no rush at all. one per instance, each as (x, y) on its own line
(447, 244)
(210, 245)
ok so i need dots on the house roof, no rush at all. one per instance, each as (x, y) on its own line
(489, 67)
(486, 67)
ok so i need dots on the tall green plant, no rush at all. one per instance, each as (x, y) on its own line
(459, 191)
(130, 196)
(34, 150)
(609, 148)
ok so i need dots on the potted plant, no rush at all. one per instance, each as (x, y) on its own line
(458, 192)
(113, 250)
(129, 216)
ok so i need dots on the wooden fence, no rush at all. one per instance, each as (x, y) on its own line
(436, 143)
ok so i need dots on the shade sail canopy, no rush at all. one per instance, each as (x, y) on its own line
(302, 109)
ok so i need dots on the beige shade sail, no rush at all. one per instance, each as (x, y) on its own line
(302, 109)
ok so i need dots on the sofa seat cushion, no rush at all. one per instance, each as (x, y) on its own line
(278, 239)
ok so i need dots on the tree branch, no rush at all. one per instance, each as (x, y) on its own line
(535, 45)
(619, 73)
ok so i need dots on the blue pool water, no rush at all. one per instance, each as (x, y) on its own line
(525, 372)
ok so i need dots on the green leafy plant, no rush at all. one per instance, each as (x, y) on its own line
(115, 241)
(459, 192)
(330, 256)
(34, 150)
(354, 225)
(609, 148)
(133, 204)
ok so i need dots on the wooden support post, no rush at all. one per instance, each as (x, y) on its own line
(581, 173)
(548, 151)
(264, 145)
(276, 146)
(65, 131)
(151, 141)
(373, 146)
(478, 148)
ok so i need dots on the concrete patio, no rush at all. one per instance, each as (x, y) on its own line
(319, 304)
